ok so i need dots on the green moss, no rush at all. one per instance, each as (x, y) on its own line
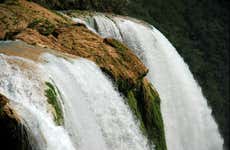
(34, 23)
(148, 103)
(144, 102)
(43, 26)
(153, 118)
(132, 102)
(123, 85)
(116, 44)
(51, 95)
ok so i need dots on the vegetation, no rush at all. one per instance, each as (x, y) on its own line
(150, 102)
(116, 44)
(117, 6)
(132, 102)
(145, 104)
(43, 26)
(52, 99)
(198, 29)
(9, 2)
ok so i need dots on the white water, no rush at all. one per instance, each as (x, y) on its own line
(187, 117)
(107, 28)
(26, 89)
(95, 115)
(77, 20)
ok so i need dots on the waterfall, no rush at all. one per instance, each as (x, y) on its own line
(187, 117)
(95, 114)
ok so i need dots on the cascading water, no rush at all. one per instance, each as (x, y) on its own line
(107, 28)
(21, 80)
(95, 112)
(187, 118)
(95, 115)
(85, 23)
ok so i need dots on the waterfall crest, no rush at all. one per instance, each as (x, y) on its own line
(187, 117)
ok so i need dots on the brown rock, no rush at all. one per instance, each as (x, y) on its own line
(2, 33)
(25, 21)
(79, 41)
(16, 17)
(6, 111)
(13, 134)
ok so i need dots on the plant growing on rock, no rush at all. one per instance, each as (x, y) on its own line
(52, 98)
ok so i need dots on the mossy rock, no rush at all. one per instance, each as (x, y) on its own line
(43, 26)
(116, 44)
(152, 115)
(144, 102)
(132, 102)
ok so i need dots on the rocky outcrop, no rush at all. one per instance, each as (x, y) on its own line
(79, 41)
(38, 26)
(15, 16)
(13, 133)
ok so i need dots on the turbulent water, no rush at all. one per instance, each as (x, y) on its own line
(22, 81)
(187, 117)
(95, 115)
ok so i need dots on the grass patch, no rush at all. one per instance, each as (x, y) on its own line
(52, 99)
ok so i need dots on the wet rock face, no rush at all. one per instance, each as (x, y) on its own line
(13, 134)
